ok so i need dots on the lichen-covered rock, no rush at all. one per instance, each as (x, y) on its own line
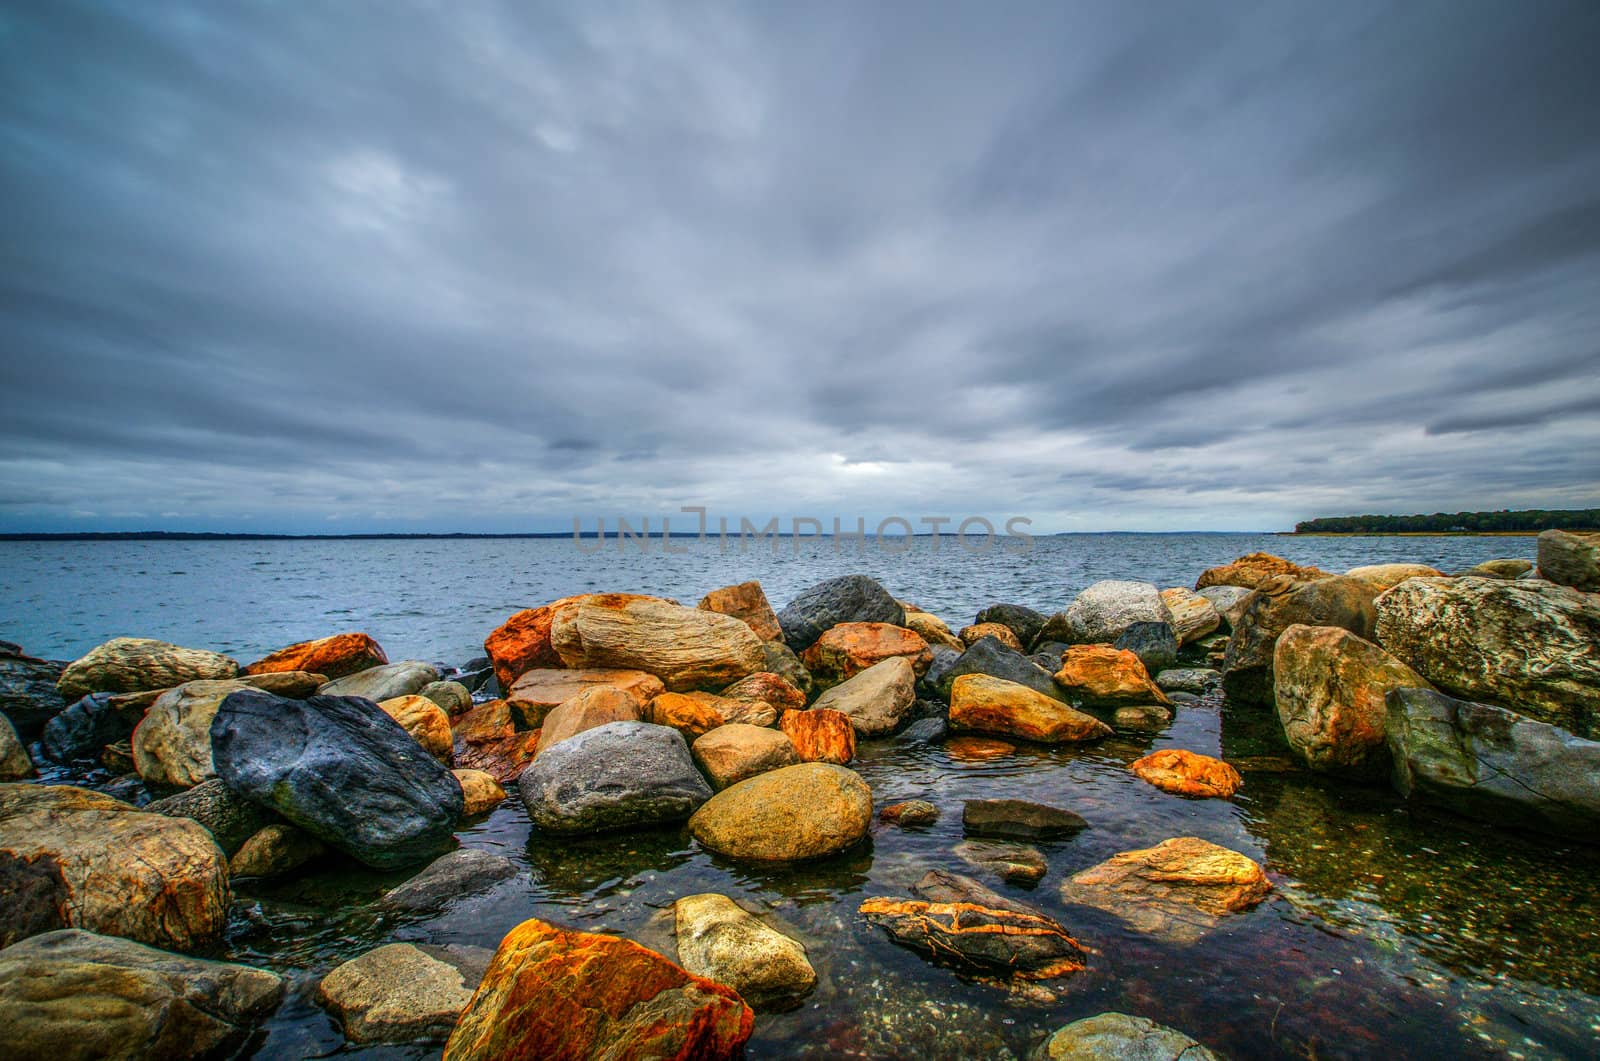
(480, 792)
(394, 994)
(425, 720)
(1250, 571)
(993, 705)
(1102, 676)
(1102, 612)
(385, 682)
(1387, 576)
(768, 688)
(227, 816)
(1141, 718)
(14, 761)
(685, 647)
(277, 849)
(971, 635)
(721, 941)
(820, 735)
(134, 664)
(746, 601)
(1230, 602)
(848, 599)
(334, 657)
(461, 873)
(1121, 1037)
(691, 716)
(540, 690)
(1025, 945)
(1570, 559)
(1179, 890)
(561, 995)
(1018, 819)
(845, 650)
(799, 812)
(1186, 773)
(451, 696)
(1193, 616)
(623, 775)
(1195, 680)
(1337, 601)
(1507, 567)
(876, 700)
(731, 753)
(589, 709)
(522, 642)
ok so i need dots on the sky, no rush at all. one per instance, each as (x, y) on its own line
(363, 266)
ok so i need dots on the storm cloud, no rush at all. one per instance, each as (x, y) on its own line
(444, 267)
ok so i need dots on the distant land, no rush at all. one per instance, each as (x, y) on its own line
(1505, 521)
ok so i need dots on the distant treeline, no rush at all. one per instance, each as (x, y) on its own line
(1533, 519)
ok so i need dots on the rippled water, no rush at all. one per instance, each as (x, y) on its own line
(1388, 934)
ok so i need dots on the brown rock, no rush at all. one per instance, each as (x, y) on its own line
(590, 708)
(847, 649)
(731, 753)
(1186, 773)
(788, 815)
(1180, 889)
(820, 735)
(522, 642)
(685, 647)
(1252, 570)
(746, 601)
(480, 792)
(561, 995)
(333, 657)
(912, 812)
(1387, 576)
(486, 739)
(1279, 604)
(1570, 558)
(1102, 676)
(425, 720)
(768, 688)
(978, 749)
(538, 691)
(1193, 616)
(1013, 863)
(931, 629)
(137, 664)
(1018, 819)
(994, 705)
(275, 850)
(971, 635)
(1024, 945)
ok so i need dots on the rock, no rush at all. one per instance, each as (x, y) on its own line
(1024, 622)
(14, 761)
(689, 715)
(1186, 773)
(1249, 572)
(118, 758)
(227, 816)
(1570, 559)
(561, 995)
(849, 599)
(1196, 680)
(1338, 601)
(1178, 890)
(1013, 863)
(1193, 616)
(848, 649)
(747, 602)
(295, 684)
(83, 730)
(876, 700)
(1018, 819)
(386, 682)
(970, 635)
(990, 657)
(750, 712)
(459, 874)
(1101, 676)
(1141, 718)
(932, 629)
(28, 695)
(70, 858)
(978, 749)
(72, 995)
(1506, 568)
(1120, 1037)
(820, 735)
(924, 731)
(172, 745)
(768, 688)
(274, 851)
(799, 812)
(522, 642)
(1153, 643)
(1103, 611)
(397, 993)
(1486, 762)
(720, 941)
(782, 661)
(1230, 602)
(993, 705)
(425, 721)
(537, 692)
(480, 792)
(134, 664)
(334, 657)
(1387, 576)
(938, 886)
(911, 813)
(685, 647)
(342, 770)
(1025, 944)
(1330, 687)
(589, 709)
(731, 753)
(622, 775)
(1528, 644)
(452, 697)
(486, 738)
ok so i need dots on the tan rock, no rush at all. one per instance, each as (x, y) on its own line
(333, 657)
(1387, 576)
(1102, 676)
(932, 629)
(768, 688)
(275, 850)
(1252, 570)
(294, 684)
(1570, 558)
(847, 649)
(172, 743)
(719, 940)
(522, 642)
(820, 735)
(978, 631)
(747, 602)
(1193, 616)
(480, 792)
(788, 815)
(985, 704)
(14, 761)
(397, 993)
(1180, 889)
(736, 751)
(1186, 773)
(136, 664)
(875, 701)
(685, 647)
(590, 708)
(540, 690)
(425, 721)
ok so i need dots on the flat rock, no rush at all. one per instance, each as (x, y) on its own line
(747, 602)
(396, 993)
(845, 650)
(623, 775)
(820, 735)
(1013, 863)
(588, 710)
(1142, 718)
(848, 599)
(1570, 559)
(685, 647)
(876, 700)
(1121, 1037)
(134, 664)
(721, 941)
(995, 940)
(385, 682)
(1018, 819)
(463, 872)
(983, 704)
(522, 642)
(731, 753)
(540, 690)
(797, 813)
(1178, 890)
(1102, 676)
(1186, 773)
(334, 657)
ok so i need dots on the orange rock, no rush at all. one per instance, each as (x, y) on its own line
(1186, 773)
(425, 720)
(480, 792)
(1252, 570)
(590, 708)
(848, 649)
(522, 642)
(993, 705)
(769, 688)
(1180, 889)
(747, 601)
(750, 712)
(490, 720)
(1025, 944)
(334, 656)
(486, 739)
(561, 995)
(978, 749)
(971, 635)
(538, 691)
(688, 715)
(820, 735)
(1102, 676)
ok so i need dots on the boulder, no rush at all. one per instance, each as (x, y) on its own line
(911, 813)
(622, 775)
(1230, 602)
(1024, 622)
(990, 657)
(747, 602)
(451, 696)
(28, 694)
(691, 716)
(1121, 1037)
(1528, 644)
(1196, 680)
(971, 635)
(72, 995)
(1186, 773)
(1569, 559)
(537, 692)
(1022, 944)
(722, 942)
(1338, 601)
(227, 816)
(993, 705)
(1249, 572)
(1193, 616)
(1486, 762)
(480, 792)
(782, 661)
(461, 873)
(685, 647)
(799, 812)
(486, 738)
(425, 720)
(275, 850)
(848, 599)
(522, 642)
(1330, 687)
(561, 995)
(876, 700)
(731, 753)
(385, 682)
(83, 730)
(589, 709)
(932, 629)
(1018, 819)
(848, 649)
(1014, 863)
(1101, 676)
(1141, 718)
(172, 745)
(820, 735)
(14, 761)
(768, 688)
(1103, 611)
(1387, 576)
(333, 657)
(134, 664)
(70, 858)
(1154, 644)
(394, 994)
(1178, 890)
(1504, 568)
(342, 770)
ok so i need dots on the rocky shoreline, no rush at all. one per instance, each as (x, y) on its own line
(1477, 692)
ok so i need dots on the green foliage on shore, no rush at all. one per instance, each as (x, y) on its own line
(1533, 519)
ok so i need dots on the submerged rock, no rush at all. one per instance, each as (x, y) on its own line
(992, 705)
(1121, 1037)
(685, 647)
(275, 850)
(622, 775)
(1018, 819)
(1016, 942)
(1102, 676)
(1013, 863)
(847, 599)
(385, 682)
(721, 941)
(820, 735)
(1178, 890)
(1186, 773)
(747, 602)
(463, 872)
(1196, 680)
(1570, 559)
(1339, 601)
(334, 657)
(1143, 718)
(911, 812)
(135, 664)
(730, 754)
(799, 812)
(1251, 571)
(1101, 613)
(394, 994)
(845, 650)
(877, 700)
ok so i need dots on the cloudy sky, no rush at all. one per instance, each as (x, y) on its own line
(469, 266)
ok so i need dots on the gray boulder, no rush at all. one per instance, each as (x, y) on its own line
(1228, 600)
(462, 872)
(82, 731)
(1154, 643)
(1196, 680)
(1569, 559)
(877, 699)
(1102, 612)
(988, 656)
(406, 678)
(623, 775)
(849, 599)
(1280, 603)
(1024, 622)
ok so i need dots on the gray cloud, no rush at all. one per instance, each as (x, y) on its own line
(489, 266)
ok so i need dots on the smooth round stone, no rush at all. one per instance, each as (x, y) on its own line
(799, 812)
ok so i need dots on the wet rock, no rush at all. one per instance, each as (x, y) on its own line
(1330, 687)
(990, 657)
(623, 775)
(978, 749)
(691, 716)
(81, 731)
(971, 635)
(877, 700)
(932, 685)
(118, 757)
(1570, 559)
(924, 731)
(461, 873)
(1103, 611)
(453, 697)
(486, 739)
(134, 664)
(1230, 602)
(1024, 622)
(1018, 819)
(425, 720)
(1528, 644)
(1339, 601)
(396, 993)
(227, 816)
(588, 710)
(1142, 718)
(1249, 572)
(731, 753)
(1154, 644)
(1387, 576)
(334, 657)
(76, 996)
(992, 705)
(1120, 1037)
(932, 629)
(275, 850)
(782, 661)
(1178, 890)
(820, 735)
(28, 695)
(172, 745)
(1506, 568)
(14, 761)
(385, 682)
(799, 812)
(1193, 616)
(1025, 944)
(747, 602)
(1196, 680)
(522, 642)
(70, 858)
(769, 688)
(685, 647)
(561, 995)
(480, 792)
(342, 770)
(912, 813)
(1489, 763)
(719, 940)
(1186, 773)
(1101, 676)
(539, 691)
(845, 650)
(848, 599)
(1013, 863)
